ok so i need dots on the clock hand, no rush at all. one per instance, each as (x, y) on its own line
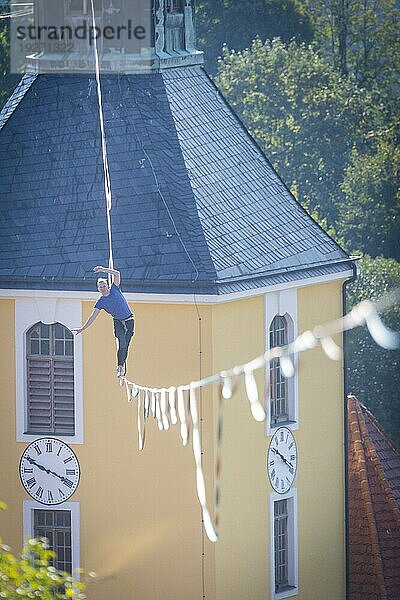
(33, 462)
(42, 468)
(282, 457)
(279, 454)
(289, 464)
(56, 475)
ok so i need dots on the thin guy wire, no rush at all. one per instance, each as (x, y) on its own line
(201, 439)
(161, 194)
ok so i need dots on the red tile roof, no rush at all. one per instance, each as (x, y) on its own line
(374, 508)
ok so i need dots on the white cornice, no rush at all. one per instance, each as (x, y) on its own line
(179, 298)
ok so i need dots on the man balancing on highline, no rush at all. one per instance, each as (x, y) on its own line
(113, 302)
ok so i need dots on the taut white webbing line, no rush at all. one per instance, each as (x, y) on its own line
(364, 313)
(107, 181)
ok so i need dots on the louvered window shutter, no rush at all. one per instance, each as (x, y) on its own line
(50, 380)
(63, 395)
(278, 336)
(39, 394)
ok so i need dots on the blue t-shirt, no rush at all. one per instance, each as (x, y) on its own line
(115, 304)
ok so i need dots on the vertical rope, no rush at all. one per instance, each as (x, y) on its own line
(201, 439)
(107, 181)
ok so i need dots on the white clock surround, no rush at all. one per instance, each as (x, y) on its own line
(49, 471)
(282, 460)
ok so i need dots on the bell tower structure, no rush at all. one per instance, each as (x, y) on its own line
(131, 36)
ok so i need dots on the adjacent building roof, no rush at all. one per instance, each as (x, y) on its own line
(196, 205)
(374, 508)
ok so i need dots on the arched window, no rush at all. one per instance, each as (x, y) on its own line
(278, 336)
(50, 379)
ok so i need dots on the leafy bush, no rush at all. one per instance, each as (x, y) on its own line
(31, 574)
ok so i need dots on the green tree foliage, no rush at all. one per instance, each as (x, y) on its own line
(373, 372)
(300, 110)
(319, 128)
(369, 214)
(31, 575)
(362, 37)
(359, 37)
(236, 24)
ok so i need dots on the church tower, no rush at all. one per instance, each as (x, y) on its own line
(219, 263)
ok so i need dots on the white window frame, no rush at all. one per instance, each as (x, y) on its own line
(283, 303)
(74, 508)
(28, 312)
(293, 558)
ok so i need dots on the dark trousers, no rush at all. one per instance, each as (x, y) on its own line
(123, 331)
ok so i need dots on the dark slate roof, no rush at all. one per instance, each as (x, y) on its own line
(16, 97)
(196, 205)
(374, 508)
(250, 220)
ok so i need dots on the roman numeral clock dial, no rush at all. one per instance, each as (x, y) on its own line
(282, 460)
(49, 471)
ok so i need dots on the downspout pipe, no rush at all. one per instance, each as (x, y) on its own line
(346, 435)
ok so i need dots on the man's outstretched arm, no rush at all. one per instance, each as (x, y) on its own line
(116, 274)
(90, 320)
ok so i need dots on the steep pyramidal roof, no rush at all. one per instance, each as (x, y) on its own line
(196, 206)
(374, 508)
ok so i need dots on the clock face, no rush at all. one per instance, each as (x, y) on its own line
(282, 460)
(49, 471)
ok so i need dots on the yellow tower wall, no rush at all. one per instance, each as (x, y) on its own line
(140, 521)
(150, 543)
(11, 491)
(320, 479)
(243, 552)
